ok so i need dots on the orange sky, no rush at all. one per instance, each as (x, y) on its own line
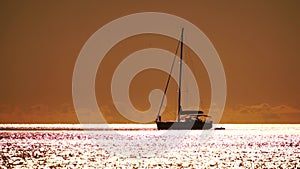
(258, 43)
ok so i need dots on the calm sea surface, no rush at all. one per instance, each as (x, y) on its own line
(142, 146)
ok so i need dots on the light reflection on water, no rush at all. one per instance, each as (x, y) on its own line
(245, 146)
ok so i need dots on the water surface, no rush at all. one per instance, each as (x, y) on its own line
(140, 146)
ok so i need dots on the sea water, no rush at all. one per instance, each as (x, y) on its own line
(142, 146)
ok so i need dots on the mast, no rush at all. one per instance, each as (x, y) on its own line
(180, 75)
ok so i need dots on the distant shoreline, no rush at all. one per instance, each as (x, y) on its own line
(123, 127)
(75, 129)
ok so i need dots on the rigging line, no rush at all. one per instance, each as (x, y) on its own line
(168, 81)
(180, 75)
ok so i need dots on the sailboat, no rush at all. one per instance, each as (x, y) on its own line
(186, 119)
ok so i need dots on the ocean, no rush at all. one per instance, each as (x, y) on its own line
(142, 146)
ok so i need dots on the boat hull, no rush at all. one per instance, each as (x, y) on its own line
(184, 125)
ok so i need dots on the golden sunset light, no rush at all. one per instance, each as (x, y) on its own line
(257, 43)
(150, 84)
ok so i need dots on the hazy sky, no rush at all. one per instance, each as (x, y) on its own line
(258, 43)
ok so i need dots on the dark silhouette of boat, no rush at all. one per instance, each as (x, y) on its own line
(219, 128)
(188, 119)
